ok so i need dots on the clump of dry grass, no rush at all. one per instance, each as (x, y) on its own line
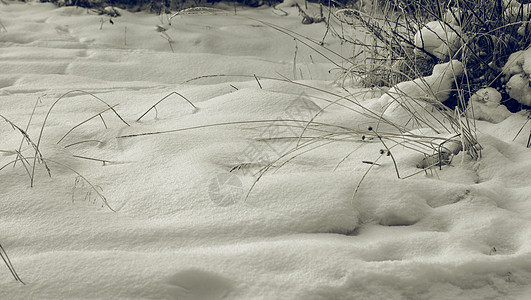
(315, 134)
(31, 161)
(393, 57)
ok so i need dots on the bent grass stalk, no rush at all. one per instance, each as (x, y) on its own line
(224, 124)
(165, 97)
(7, 261)
(81, 142)
(83, 122)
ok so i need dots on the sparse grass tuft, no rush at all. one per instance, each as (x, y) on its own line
(30, 162)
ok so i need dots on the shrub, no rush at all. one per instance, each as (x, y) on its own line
(480, 34)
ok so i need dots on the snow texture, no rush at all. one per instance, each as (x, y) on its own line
(182, 227)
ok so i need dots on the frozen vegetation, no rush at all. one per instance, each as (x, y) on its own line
(216, 157)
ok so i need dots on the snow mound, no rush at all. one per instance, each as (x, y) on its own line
(438, 38)
(519, 89)
(518, 70)
(485, 105)
(412, 101)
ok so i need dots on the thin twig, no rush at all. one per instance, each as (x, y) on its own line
(103, 121)
(226, 124)
(255, 77)
(94, 159)
(80, 142)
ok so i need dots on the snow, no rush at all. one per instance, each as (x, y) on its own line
(439, 39)
(518, 69)
(516, 10)
(332, 223)
(485, 105)
(416, 96)
(514, 64)
(519, 89)
(453, 16)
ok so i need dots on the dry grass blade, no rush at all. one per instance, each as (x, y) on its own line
(25, 163)
(3, 27)
(38, 154)
(28, 125)
(225, 124)
(522, 128)
(94, 116)
(389, 153)
(7, 261)
(172, 93)
(104, 161)
(81, 142)
(258, 81)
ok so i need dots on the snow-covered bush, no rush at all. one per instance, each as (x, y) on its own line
(517, 72)
(410, 37)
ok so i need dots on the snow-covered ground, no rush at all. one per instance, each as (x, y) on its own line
(184, 225)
